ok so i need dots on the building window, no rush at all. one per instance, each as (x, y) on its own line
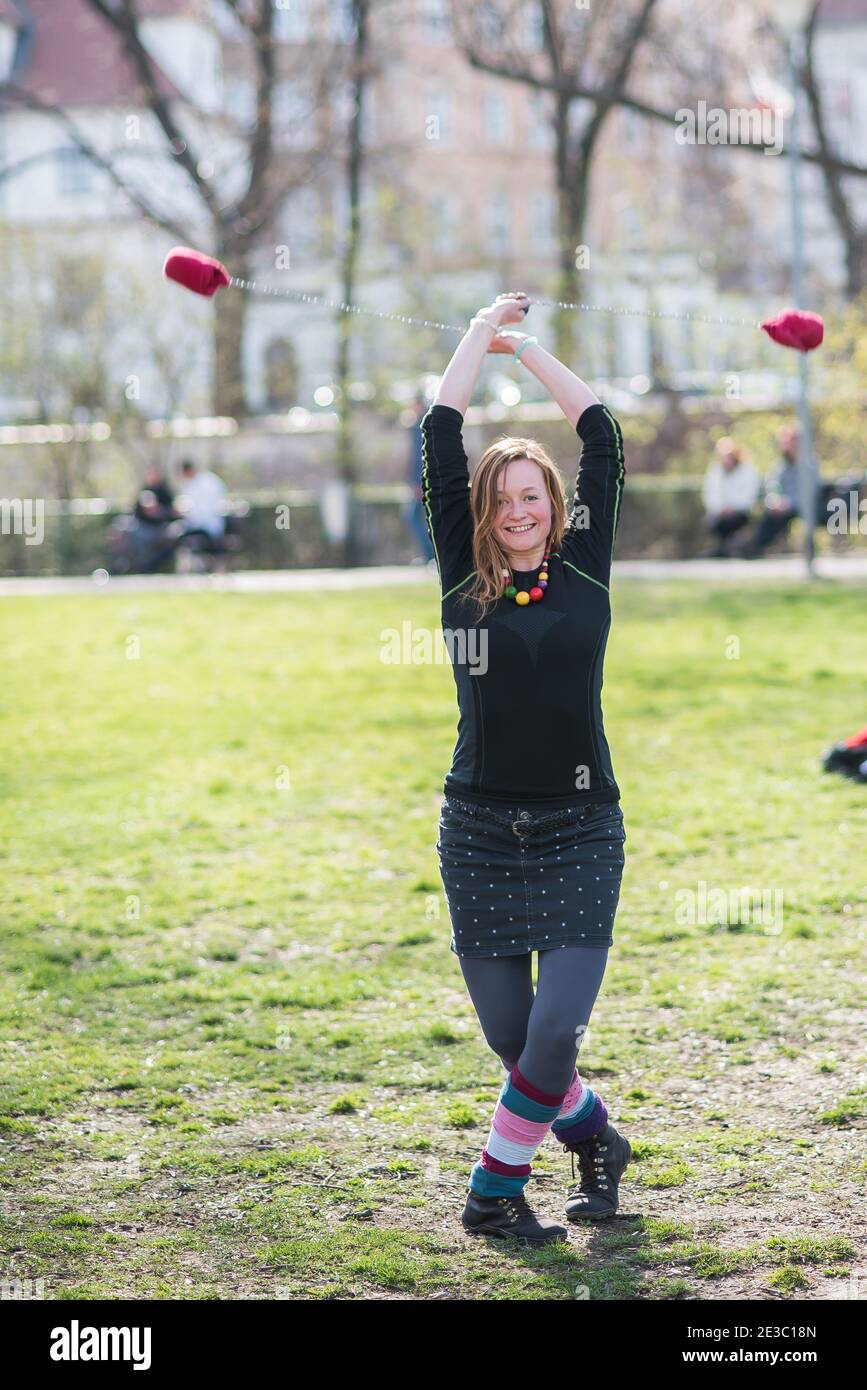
(342, 103)
(443, 225)
(498, 221)
(75, 172)
(489, 23)
(342, 18)
(581, 112)
(534, 27)
(436, 21)
(368, 116)
(437, 117)
(635, 129)
(281, 374)
(78, 286)
(339, 216)
(291, 21)
(540, 131)
(225, 21)
(543, 220)
(496, 118)
(239, 102)
(301, 224)
(633, 226)
(291, 115)
(841, 106)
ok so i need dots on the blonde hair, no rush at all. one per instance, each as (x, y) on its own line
(489, 558)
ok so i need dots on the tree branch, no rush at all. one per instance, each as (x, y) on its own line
(855, 238)
(35, 103)
(609, 95)
(579, 90)
(125, 20)
(261, 146)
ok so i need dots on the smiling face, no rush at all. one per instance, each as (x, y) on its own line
(523, 513)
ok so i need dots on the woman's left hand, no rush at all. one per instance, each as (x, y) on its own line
(504, 341)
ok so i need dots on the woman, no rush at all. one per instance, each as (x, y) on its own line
(531, 831)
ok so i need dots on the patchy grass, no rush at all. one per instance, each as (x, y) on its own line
(239, 1057)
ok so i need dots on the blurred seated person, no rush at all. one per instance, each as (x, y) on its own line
(202, 523)
(731, 487)
(781, 496)
(203, 495)
(155, 503)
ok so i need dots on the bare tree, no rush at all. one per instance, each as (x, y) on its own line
(839, 203)
(360, 60)
(240, 223)
(585, 62)
(359, 72)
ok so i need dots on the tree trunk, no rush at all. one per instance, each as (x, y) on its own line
(841, 207)
(572, 201)
(856, 264)
(230, 312)
(572, 174)
(347, 464)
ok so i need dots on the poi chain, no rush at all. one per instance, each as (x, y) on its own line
(204, 275)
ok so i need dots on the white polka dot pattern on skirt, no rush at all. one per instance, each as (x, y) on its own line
(588, 852)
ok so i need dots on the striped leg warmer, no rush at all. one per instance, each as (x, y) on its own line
(522, 1118)
(581, 1115)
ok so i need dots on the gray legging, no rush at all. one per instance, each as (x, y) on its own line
(539, 1031)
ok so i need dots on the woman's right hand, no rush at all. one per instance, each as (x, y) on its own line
(508, 308)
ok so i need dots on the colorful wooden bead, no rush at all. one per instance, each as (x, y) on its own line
(537, 592)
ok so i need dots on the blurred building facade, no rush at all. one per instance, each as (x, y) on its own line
(459, 192)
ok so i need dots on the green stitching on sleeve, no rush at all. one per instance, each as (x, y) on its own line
(463, 581)
(586, 576)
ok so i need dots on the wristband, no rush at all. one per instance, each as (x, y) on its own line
(480, 318)
(526, 343)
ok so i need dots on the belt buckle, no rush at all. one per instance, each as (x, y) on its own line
(520, 824)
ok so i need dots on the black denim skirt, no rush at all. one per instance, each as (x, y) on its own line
(516, 881)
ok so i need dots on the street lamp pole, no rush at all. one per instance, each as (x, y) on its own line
(806, 469)
(789, 17)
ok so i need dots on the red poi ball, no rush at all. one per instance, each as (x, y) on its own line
(796, 328)
(195, 271)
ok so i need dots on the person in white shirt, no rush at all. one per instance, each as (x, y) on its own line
(203, 495)
(731, 488)
(202, 521)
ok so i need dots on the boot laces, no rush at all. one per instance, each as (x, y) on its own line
(516, 1207)
(592, 1165)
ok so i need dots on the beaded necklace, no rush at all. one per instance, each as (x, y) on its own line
(521, 596)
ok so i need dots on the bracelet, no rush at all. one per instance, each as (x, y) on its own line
(480, 318)
(526, 343)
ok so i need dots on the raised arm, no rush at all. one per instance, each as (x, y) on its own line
(445, 475)
(563, 386)
(592, 523)
(459, 378)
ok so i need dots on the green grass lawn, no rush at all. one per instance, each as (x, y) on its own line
(239, 1060)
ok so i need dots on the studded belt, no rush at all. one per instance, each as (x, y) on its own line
(526, 823)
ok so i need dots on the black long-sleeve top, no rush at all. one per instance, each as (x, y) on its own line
(530, 729)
